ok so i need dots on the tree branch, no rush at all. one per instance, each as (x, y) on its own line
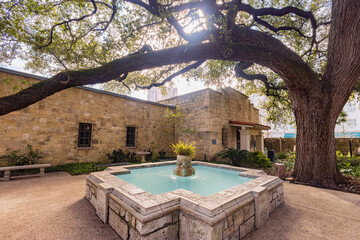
(67, 22)
(239, 72)
(168, 79)
(264, 50)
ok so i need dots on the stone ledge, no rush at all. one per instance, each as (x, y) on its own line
(248, 205)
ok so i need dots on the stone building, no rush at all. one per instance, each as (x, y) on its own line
(82, 124)
(221, 119)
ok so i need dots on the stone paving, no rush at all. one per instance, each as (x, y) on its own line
(54, 207)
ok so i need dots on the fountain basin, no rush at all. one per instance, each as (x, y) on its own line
(181, 214)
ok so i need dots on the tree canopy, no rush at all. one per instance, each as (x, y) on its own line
(300, 46)
(53, 37)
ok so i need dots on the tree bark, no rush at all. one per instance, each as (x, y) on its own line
(318, 106)
(316, 162)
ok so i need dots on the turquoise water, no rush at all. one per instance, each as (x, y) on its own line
(206, 181)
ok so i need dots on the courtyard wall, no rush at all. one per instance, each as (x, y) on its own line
(209, 112)
(51, 125)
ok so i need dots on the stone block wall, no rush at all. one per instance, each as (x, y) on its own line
(235, 226)
(180, 214)
(51, 125)
(127, 226)
(209, 112)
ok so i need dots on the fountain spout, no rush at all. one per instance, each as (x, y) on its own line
(184, 166)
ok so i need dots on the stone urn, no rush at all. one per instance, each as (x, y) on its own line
(184, 166)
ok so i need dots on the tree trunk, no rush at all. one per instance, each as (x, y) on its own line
(316, 162)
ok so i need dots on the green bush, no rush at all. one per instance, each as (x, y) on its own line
(282, 156)
(75, 168)
(244, 158)
(258, 159)
(354, 161)
(289, 164)
(349, 165)
(236, 156)
(15, 158)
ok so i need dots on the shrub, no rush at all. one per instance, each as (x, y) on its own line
(289, 164)
(354, 161)
(75, 168)
(119, 156)
(258, 159)
(184, 149)
(282, 156)
(244, 158)
(236, 156)
(349, 165)
(15, 158)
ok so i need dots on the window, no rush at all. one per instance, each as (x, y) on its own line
(224, 136)
(130, 137)
(84, 138)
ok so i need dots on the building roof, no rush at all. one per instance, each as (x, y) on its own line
(253, 125)
(23, 74)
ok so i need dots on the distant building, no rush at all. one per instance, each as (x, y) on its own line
(154, 94)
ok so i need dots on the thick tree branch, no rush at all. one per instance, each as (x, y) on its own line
(239, 72)
(264, 51)
(169, 78)
(256, 13)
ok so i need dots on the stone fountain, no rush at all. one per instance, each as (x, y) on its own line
(184, 166)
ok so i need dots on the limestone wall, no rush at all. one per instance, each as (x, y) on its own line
(51, 125)
(209, 112)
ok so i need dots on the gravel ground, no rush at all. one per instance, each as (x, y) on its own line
(54, 207)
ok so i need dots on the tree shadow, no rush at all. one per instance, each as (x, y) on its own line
(280, 225)
(87, 225)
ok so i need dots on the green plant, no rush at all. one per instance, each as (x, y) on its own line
(119, 156)
(339, 154)
(245, 158)
(15, 158)
(354, 161)
(184, 149)
(258, 159)
(349, 165)
(236, 156)
(75, 168)
(289, 164)
(174, 122)
(282, 156)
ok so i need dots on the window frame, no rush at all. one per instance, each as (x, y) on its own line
(82, 137)
(130, 137)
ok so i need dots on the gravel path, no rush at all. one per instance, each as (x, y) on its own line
(54, 207)
(49, 208)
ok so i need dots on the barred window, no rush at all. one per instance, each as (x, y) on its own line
(84, 137)
(130, 137)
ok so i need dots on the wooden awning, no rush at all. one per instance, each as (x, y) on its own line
(250, 125)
